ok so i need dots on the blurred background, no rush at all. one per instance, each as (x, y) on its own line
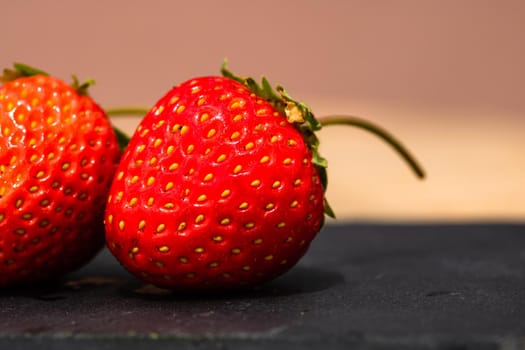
(447, 77)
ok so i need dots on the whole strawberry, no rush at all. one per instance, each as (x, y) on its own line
(220, 187)
(58, 154)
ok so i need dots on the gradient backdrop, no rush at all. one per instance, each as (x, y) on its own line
(445, 76)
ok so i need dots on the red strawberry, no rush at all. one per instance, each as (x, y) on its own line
(220, 187)
(58, 154)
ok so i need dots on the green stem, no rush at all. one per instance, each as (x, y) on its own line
(127, 111)
(378, 131)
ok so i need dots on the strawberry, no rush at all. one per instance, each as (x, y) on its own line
(220, 187)
(58, 154)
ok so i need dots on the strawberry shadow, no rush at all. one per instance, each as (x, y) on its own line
(66, 287)
(303, 280)
(298, 281)
(48, 291)
(115, 301)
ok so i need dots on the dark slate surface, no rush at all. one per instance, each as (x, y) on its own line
(360, 286)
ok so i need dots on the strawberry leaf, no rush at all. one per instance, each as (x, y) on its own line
(82, 88)
(28, 71)
(20, 70)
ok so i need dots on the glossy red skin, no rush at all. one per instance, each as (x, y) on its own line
(58, 154)
(191, 235)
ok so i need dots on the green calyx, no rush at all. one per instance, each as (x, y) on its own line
(82, 88)
(21, 70)
(297, 113)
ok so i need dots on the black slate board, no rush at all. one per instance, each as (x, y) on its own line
(361, 286)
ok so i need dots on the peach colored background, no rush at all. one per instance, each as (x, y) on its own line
(447, 77)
